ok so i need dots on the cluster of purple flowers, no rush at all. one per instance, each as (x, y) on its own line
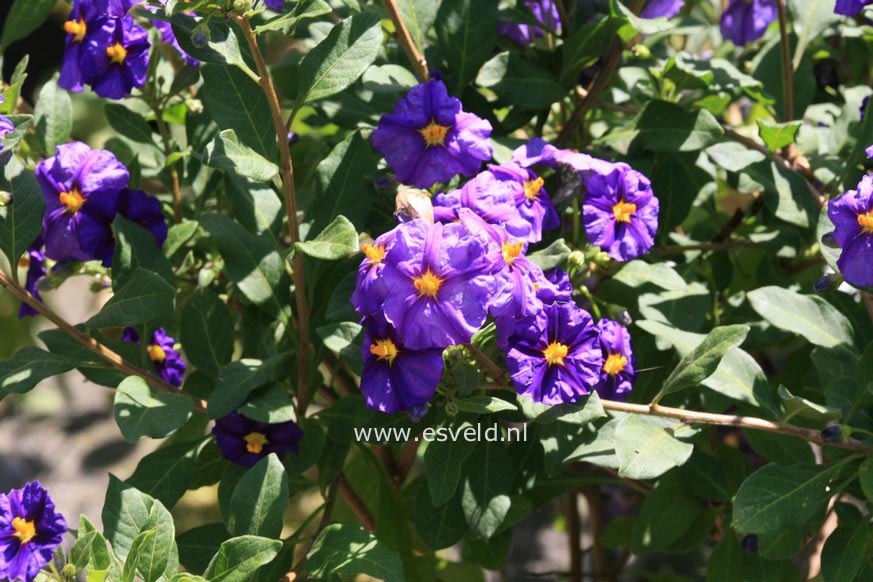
(105, 49)
(162, 352)
(30, 530)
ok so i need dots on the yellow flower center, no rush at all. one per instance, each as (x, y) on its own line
(384, 349)
(614, 364)
(157, 353)
(376, 253)
(511, 251)
(255, 442)
(866, 222)
(24, 530)
(72, 200)
(555, 353)
(24, 262)
(116, 53)
(77, 28)
(434, 134)
(623, 211)
(428, 284)
(532, 188)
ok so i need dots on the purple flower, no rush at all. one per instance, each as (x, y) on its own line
(370, 290)
(544, 11)
(662, 8)
(275, 4)
(85, 17)
(81, 188)
(6, 126)
(746, 21)
(163, 354)
(145, 210)
(852, 215)
(557, 360)
(169, 37)
(850, 7)
(116, 57)
(531, 198)
(438, 283)
(245, 441)
(621, 213)
(35, 263)
(428, 138)
(395, 378)
(618, 372)
(555, 287)
(30, 530)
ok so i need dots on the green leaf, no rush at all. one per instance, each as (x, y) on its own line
(271, 404)
(222, 46)
(585, 45)
(739, 376)
(487, 485)
(149, 556)
(806, 315)
(776, 498)
(24, 17)
(258, 504)
(865, 476)
(346, 549)
(129, 124)
(733, 156)
(237, 380)
(53, 116)
(166, 473)
(667, 127)
(178, 235)
(21, 124)
(199, 544)
(582, 412)
(252, 262)
(29, 367)
(702, 361)
(128, 512)
(237, 102)
(443, 462)
(338, 240)
(418, 16)
(666, 513)
(135, 248)
(20, 220)
(798, 406)
(518, 82)
(648, 448)
(843, 553)
(638, 273)
(285, 24)
(778, 135)
(341, 189)
(255, 205)
(143, 412)
(238, 558)
(439, 526)
(467, 33)
(552, 256)
(484, 404)
(225, 152)
(146, 297)
(338, 60)
(206, 331)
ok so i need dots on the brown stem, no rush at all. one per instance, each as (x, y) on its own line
(745, 422)
(177, 195)
(787, 67)
(287, 170)
(574, 535)
(596, 88)
(489, 364)
(595, 519)
(355, 504)
(114, 359)
(416, 59)
(406, 459)
(325, 521)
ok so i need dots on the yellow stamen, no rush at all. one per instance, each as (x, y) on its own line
(77, 28)
(384, 349)
(116, 53)
(24, 262)
(866, 222)
(614, 364)
(72, 200)
(434, 134)
(24, 530)
(255, 442)
(156, 353)
(623, 211)
(555, 353)
(374, 252)
(511, 251)
(532, 188)
(428, 284)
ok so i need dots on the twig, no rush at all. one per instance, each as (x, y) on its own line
(574, 534)
(787, 67)
(406, 459)
(304, 347)
(325, 521)
(745, 422)
(355, 504)
(596, 88)
(595, 518)
(489, 364)
(416, 59)
(113, 358)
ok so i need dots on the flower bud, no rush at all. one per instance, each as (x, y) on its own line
(5, 198)
(412, 203)
(829, 240)
(69, 572)
(417, 412)
(201, 35)
(383, 184)
(576, 259)
(642, 51)
(827, 283)
(750, 544)
(293, 137)
(194, 105)
(833, 434)
(242, 6)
